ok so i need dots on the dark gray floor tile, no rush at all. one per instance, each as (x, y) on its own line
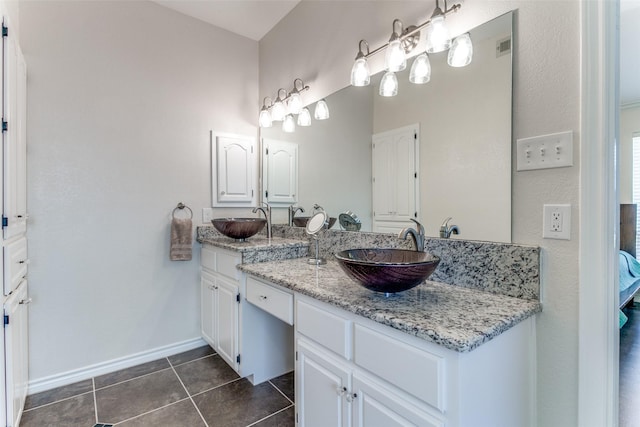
(182, 413)
(77, 411)
(129, 373)
(239, 404)
(285, 383)
(135, 397)
(286, 418)
(206, 373)
(59, 393)
(190, 355)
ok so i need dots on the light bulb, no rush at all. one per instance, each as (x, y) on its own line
(265, 118)
(278, 111)
(304, 118)
(420, 70)
(461, 51)
(289, 124)
(395, 58)
(389, 84)
(360, 74)
(437, 35)
(322, 110)
(295, 103)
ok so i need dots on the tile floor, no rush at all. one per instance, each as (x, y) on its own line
(191, 389)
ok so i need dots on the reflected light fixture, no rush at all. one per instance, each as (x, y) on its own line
(360, 74)
(420, 70)
(289, 124)
(289, 105)
(304, 118)
(395, 59)
(402, 42)
(389, 84)
(278, 110)
(295, 98)
(322, 110)
(461, 51)
(265, 115)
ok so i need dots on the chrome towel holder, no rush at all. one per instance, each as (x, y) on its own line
(181, 207)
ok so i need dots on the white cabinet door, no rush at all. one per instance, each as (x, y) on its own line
(14, 138)
(280, 175)
(234, 170)
(322, 388)
(16, 341)
(377, 406)
(227, 321)
(207, 309)
(395, 175)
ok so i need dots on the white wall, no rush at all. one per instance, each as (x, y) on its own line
(317, 42)
(629, 125)
(122, 96)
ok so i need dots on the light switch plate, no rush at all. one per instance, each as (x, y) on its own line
(556, 222)
(207, 215)
(545, 151)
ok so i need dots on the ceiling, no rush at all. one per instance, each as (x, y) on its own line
(249, 18)
(255, 18)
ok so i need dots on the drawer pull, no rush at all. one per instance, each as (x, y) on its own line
(24, 261)
(25, 301)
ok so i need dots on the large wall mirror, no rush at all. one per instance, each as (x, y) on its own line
(464, 118)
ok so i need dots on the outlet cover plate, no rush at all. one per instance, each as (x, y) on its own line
(545, 151)
(556, 222)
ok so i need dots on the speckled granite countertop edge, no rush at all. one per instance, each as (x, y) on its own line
(436, 312)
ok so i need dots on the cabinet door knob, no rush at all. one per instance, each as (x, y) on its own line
(351, 396)
(341, 390)
(25, 301)
(263, 297)
(24, 261)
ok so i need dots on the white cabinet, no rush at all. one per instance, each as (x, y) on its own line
(351, 371)
(234, 170)
(255, 343)
(395, 178)
(280, 171)
(220, 297)
(16, 352)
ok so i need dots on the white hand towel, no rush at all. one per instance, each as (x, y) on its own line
(181, 239)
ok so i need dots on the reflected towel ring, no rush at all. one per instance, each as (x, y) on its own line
(181, 206)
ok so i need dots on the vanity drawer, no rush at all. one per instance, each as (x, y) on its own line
(208, 258)
(324, 327)
(270, 299)
(416, 371)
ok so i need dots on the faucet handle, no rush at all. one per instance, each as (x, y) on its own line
(445, 222)
(419, 226)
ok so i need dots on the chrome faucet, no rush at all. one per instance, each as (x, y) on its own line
(266, 210)
(446, 230)
(416, 235)
(293, 209)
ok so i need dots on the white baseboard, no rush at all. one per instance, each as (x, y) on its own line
(70, 377)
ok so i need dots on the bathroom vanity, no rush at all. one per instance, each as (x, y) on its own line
(436, 355)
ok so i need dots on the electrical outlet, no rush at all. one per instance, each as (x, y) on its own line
(556, 222)
(207, 215)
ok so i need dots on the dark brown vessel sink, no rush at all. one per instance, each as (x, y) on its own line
(239, 228)
(387, 270)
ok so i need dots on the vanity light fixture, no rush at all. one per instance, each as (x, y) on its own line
(402, 42)
(322, 110)
(304, 118)
(265, 116)
(360, 74)
(288, 105)
(278, 110)
(289, 124)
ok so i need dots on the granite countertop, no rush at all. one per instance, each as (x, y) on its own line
(457, 318)
(254, 243)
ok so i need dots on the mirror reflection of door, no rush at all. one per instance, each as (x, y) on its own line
(280, 165)
(395, 179)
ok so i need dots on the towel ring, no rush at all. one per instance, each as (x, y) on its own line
(181, 206)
